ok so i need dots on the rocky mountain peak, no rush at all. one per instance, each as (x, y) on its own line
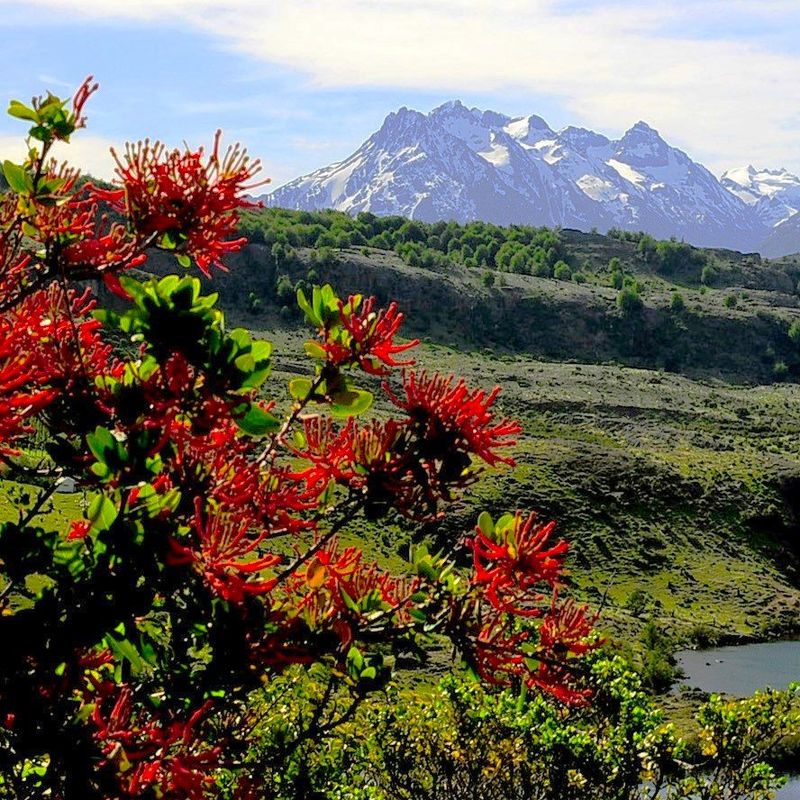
(465, 163)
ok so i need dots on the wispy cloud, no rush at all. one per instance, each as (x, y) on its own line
(721, 90)
(91, 154)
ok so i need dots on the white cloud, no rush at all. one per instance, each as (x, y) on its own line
(91, 154)
(726, 100)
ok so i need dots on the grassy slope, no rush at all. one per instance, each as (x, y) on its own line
(676, 487)
(681, 486)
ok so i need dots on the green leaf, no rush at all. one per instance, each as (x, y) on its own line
(348, 601)
(168, 241)
(101, 470)
(261, 350)
(184, 260)
(355, 661)
(306, 308)
(133, 287)
(315, 350)
(327, 494)
(18, 179)
(485, 523)
(351, 402)
(41, 132)
(257, 421)
(505, 522)
(100, 442)
(300, 388)
(124, 649)
(102, 512)
(21, 111)
(425, 569)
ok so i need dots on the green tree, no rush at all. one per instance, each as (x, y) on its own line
(708, 275)
(629, 302)
(562, 271)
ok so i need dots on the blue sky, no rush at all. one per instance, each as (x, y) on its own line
(302, 83)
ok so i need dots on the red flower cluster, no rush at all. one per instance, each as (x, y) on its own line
(366, 459)
(368, 337)
(504, 655)
(21, 394)
(226, 553)
(451, 421)
(162, 756)
(410, 464)
(190, 491)
(515, 579)
(185, 203)
(332, 587)
(50, 349)
(509, 565)
(58, 328)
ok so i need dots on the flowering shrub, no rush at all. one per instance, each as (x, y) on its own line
(459, 741)
(208, 559)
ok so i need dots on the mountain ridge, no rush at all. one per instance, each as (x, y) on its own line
(464, 164)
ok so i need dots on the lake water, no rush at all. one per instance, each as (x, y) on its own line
(740, 671)
(791, 791)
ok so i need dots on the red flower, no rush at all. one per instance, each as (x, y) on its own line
(21, 392)
(89, 245)
(153, 753)
(502, 655)
(57, 329)
(497, 654)
(564, 633)
(566, 630)
(85, 91)
(186, 204)
(103, 252)
(510, 564)
(79, 529)
(368, 337)
(49, 349)
(226, 554)
(327, 590)
(450, 419)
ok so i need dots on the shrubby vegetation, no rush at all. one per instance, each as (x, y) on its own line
(208, 559)
(521, 249)
(459, 741)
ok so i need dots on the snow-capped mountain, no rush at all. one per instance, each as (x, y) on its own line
(774, 194)
(464, 164)
(783, 240)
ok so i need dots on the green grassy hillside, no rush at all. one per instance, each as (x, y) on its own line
(679, 496)
(565, 296)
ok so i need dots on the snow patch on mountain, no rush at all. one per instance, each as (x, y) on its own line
(466, 163)
(774, 194)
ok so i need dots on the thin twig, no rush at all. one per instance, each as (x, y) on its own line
(319, 544)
